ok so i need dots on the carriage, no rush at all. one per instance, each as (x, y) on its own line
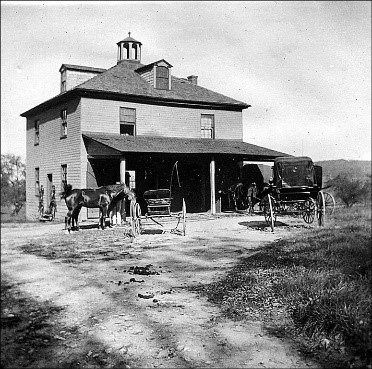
(158, 204)
(296, 189)
(158, 208)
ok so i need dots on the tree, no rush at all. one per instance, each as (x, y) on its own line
(366, 190)
(13, 179)
(350, 191)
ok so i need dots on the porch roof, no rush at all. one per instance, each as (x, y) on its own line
(104, 144)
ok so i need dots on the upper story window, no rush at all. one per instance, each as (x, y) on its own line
(37, 132)
(162, 78)
(37, 181)
(63, 176)
(63, 123)
(207, 126)
(127, 121)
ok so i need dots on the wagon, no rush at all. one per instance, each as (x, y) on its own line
(158, 203)
(296, 189)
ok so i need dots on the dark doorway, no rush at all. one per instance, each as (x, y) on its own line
(49, 189)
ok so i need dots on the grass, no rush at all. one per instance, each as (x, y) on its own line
(314, 287)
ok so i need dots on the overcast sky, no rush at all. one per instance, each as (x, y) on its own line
(305, 67)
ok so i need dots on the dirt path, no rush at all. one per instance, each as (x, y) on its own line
(154, 321)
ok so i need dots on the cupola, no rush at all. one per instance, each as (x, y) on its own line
(129, 49)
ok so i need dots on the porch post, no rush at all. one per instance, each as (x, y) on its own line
(212, 172)
(121, 215)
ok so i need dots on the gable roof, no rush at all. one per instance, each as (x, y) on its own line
(81, 68)
(170, 145)
(150, 66)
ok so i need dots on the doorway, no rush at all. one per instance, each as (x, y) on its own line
(49, 190)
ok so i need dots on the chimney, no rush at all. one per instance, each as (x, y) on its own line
(193, 79)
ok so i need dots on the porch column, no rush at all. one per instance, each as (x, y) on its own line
(212, 173)
(120, 214)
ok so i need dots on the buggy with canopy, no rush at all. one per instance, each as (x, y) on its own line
(296, 189)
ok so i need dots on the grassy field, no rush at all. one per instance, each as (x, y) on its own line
(314, 288)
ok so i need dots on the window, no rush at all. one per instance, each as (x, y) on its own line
(37, 132)
(207, 126)
(162, 78)
(130, 179)
(63, 81)
(127, 121)
(63, 176)
(63, 123)
(37, 181)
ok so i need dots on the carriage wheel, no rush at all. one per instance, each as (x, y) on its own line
(135, 212)
(184, 217)
(133, 217)
(268, 211)
(309, 210)
(138, 223)
(329, 203)
(320, 208)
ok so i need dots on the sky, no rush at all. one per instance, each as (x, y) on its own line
(303, 66)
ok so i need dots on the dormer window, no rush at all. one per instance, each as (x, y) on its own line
(157, 74)
(162, 78)
(37, 132)
(63, 81)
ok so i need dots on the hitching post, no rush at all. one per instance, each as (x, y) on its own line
(213, 186)
(121, 217)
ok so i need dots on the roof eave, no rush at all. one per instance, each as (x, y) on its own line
(152, 99)
(65, 96)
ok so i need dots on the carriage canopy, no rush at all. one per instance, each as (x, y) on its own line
(294, 172)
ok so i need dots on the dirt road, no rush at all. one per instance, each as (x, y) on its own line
(151, 319)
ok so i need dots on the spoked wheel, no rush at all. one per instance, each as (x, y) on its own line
(137, 223)
(135, 215)
(321, 208)
(308, 214)
(184, 217)
(329, 203)
(268, 211)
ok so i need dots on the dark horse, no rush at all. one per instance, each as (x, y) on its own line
(104, 198)
(237, 194)
(244, 196)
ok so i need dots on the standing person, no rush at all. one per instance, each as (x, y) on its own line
(252, 197)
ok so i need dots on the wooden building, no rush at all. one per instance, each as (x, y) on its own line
(132, 123)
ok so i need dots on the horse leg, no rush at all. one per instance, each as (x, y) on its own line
(75, 217)
(103, 218)
(68, 218)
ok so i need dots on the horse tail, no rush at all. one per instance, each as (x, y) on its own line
(66, 191)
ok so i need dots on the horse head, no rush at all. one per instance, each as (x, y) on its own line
(67, 188)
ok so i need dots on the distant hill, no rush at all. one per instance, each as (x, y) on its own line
(356, 169)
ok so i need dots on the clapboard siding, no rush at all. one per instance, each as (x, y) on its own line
(74, 77)
(155, 120)
(51, 153)
(148, 76)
